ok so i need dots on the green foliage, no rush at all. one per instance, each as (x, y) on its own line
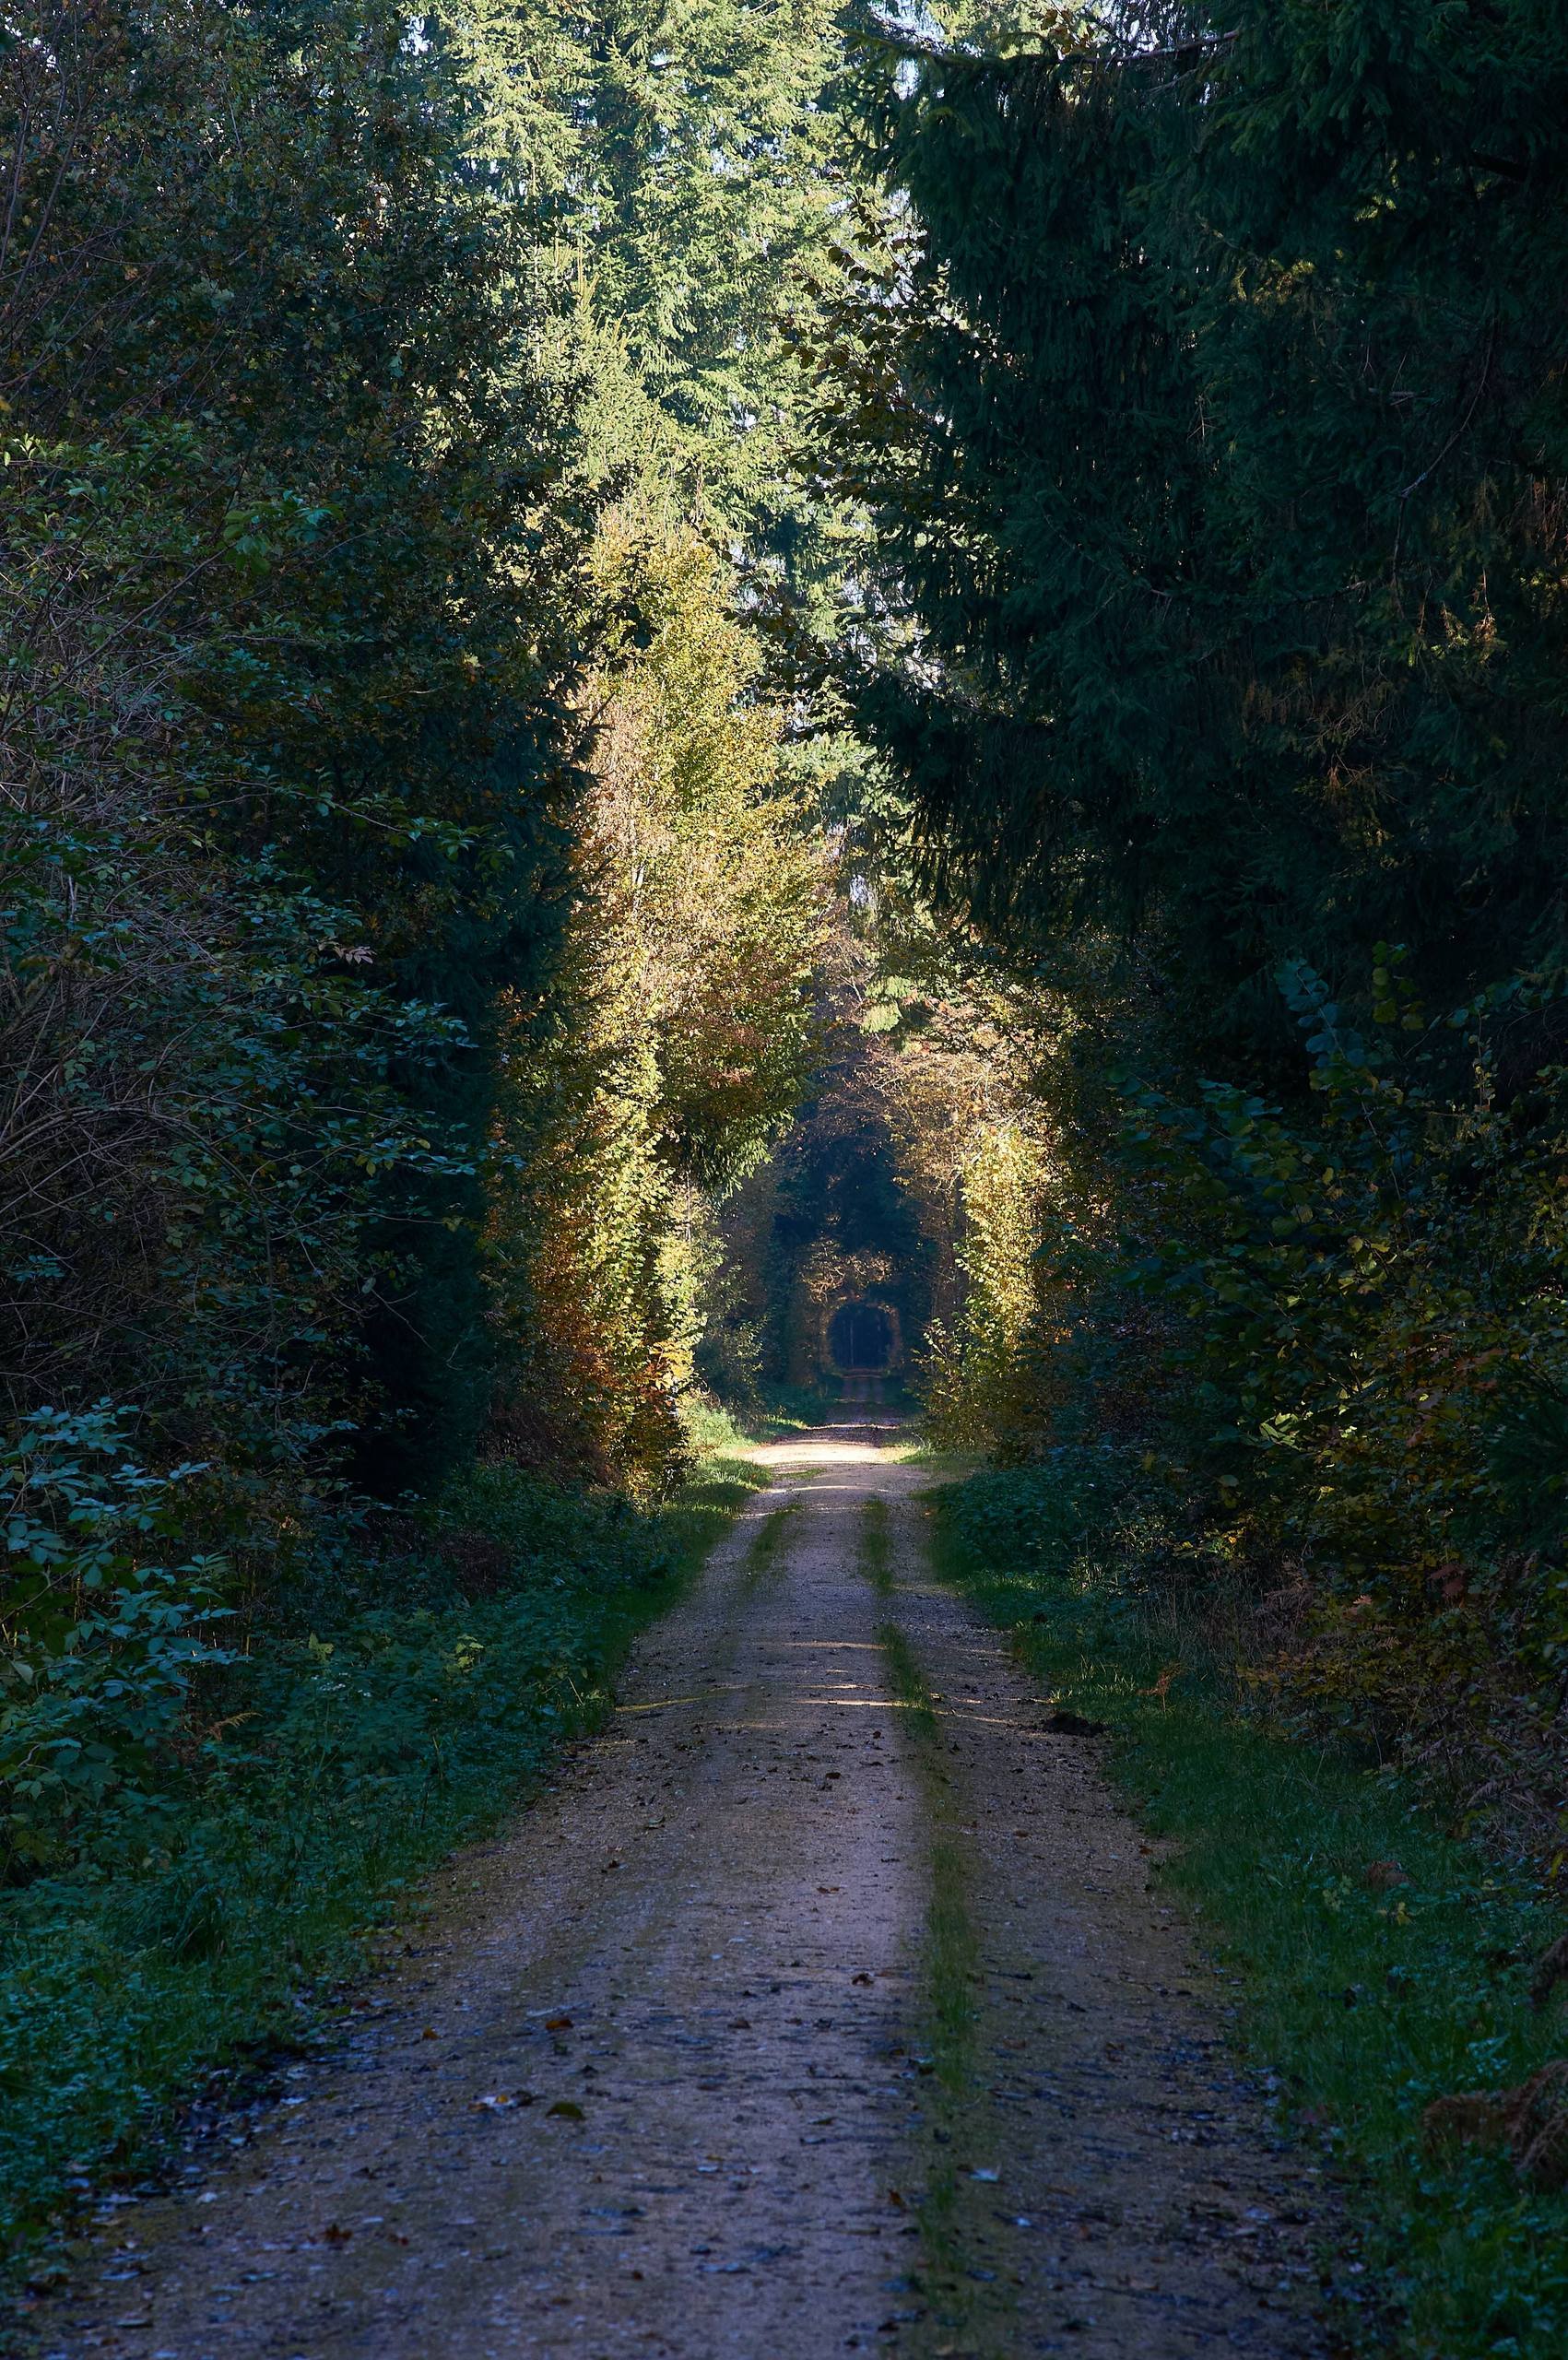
(311, 607)
(1030, 1518)
(1369, 1349)
(706, 172)
(101, 1642)
(1200, 386)
(1367, 1999)
(279, 711)
(1212, 442)
(969, 1377)
(681, 1046)
(1327, 1332)
(206, 1915)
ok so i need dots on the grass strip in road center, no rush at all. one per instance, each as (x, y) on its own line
(969, 2312)
(875, 1548)
(766, 1544)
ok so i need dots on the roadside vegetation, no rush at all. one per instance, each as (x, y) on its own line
(407, 1693)
(1378, 1959)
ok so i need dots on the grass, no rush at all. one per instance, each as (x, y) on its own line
(1365, 2002)
(949, 1962)
(961, 2302)
(212, 1927)
(874, 1546)
(766, 1543)
(792, 1410)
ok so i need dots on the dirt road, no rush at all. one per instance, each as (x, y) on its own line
(823, 2005)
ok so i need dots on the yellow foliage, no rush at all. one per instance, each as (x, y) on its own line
(686, 1036)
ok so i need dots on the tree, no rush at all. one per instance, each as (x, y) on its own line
(1210, 415)
(658, 1074)
(287, 578)
(1209, 412)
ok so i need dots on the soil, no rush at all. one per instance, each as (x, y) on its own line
(810, 2012)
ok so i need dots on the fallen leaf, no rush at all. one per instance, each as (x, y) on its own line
(336, 2235)
(557, 2024)
(829, 1888)
(429, 2032)
(567, 2110)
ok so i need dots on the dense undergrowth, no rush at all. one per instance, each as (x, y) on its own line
(409, 1694)
(1381, 1961)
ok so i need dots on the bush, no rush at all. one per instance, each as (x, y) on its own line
(101, 1640)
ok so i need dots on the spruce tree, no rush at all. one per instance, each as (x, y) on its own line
(1210, 409)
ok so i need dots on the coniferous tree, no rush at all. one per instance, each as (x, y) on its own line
(1212, 439)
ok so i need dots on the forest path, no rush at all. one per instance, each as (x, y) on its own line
(821, 2005)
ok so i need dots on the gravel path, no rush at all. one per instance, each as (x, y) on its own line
(822, 2006)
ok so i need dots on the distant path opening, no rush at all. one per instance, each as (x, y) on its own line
(860, 1338)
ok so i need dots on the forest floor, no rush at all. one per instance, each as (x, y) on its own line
(824, 2003)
